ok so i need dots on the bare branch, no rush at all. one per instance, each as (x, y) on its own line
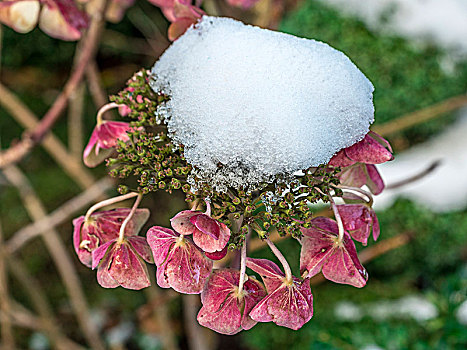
(7, 341)
(64, 212)
(406, 121)
(59, 255)
(33, 137)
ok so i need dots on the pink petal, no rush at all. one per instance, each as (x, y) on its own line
(161, 240)
(108, 222)
(217, 255)
(289, 306)
(317, 245)
(344, 267)
(82, 242)
(99, 253)
(91, 143)
(354, 176)
(141, 247)
(381, 140)
(376, 229)
(127, 269)
(105, 280)
(272, 275)
(357, 220)
(223, 310)
(188, 269)
(206, 225)
(109, 132)
(341, 160)
(375, 183)
(181, 222)
(368, 151)
(209, 244)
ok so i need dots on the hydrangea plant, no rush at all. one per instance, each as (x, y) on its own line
(223, 215)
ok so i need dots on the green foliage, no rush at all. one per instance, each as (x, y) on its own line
(405, 78)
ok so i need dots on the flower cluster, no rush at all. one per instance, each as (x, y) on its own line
(232, 300)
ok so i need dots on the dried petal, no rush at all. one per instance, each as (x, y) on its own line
(21, 16)
(374, 181)
(288, 304)
(224, 309)
(180, 264)
(208, 234)
(369, 151)
(321, 250)
(104, 136)
(358, 220)
(217, 255)
(62, 19)
(119, 262)
(103, 227)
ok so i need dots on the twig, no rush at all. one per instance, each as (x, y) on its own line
(8, 340)
(421, 116)
(161, 313)
(75, 122)
(22, 317)
(96, 90)
(194, 332)
(24, 116)
(30, 139)
(41, 305)
(373, 252)
(64, 212)
(59, 254)
(415, 177)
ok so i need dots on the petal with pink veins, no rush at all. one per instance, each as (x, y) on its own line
(224, 309)
(322, 251)
(288, 303)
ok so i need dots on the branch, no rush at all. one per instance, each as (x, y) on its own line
(421, 116)
(7, 341)
(33, 137)
(64, 212)
(59, 255)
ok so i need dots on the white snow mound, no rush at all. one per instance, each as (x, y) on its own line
(249, 103)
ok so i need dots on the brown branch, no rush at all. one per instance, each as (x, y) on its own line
(75, 122)
(40, 304)
(415, 177)
(421, 116)
(196, 335)
(96, 90)
(31, 138)
(8, 340)
(59, 255)
(24, 116)
(64, 212)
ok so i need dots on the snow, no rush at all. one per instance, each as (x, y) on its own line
(442, 190)
(249, 104)
(443, 22)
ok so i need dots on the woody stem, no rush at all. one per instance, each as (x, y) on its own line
(285, 264)
(108, 202)
(242, 266)
(104, 109)
(121, 234)
(338, 219)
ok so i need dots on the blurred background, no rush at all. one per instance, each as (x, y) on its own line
(414, 52)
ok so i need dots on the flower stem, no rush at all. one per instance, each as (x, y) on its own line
(285, 264)
(108, 202)
(121, 234)
(242, 266)
(366, 196)
(338, 219)
(104, 109)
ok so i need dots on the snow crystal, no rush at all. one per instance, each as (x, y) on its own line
(249, 103)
